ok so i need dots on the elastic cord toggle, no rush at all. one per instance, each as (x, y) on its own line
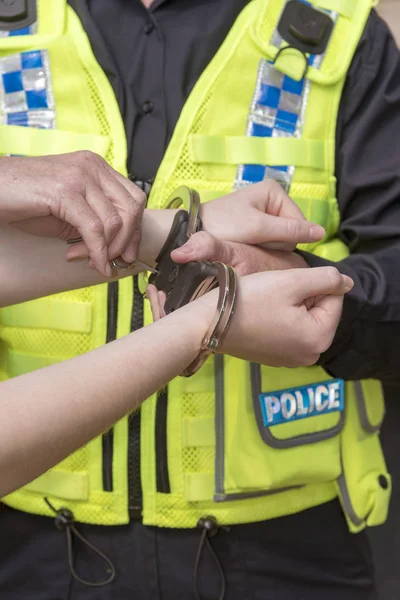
(65, 521)
(210, 528)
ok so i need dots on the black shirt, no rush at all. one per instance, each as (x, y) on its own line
(154, 57)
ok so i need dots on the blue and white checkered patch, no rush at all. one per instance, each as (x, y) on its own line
(277, 110)
(26, 95)
(31, 30)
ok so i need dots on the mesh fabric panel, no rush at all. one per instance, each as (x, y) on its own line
(100, 114)
(189, 173)
(198, 459)
(57, 343)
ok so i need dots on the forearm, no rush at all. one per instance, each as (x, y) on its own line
(32, 266)
(70, 403)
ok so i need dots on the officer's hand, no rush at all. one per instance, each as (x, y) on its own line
(70, 196)
(275, 323)
(245, 258)
(259, 214)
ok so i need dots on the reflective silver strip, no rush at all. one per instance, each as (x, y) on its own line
(219, 387)
(249, 495)
(33, 29)
(362, 410)
(346, 501)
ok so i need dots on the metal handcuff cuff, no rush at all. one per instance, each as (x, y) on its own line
(184, 283)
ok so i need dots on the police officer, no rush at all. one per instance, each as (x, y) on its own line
(205, 492)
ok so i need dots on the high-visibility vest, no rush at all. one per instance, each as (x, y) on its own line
(237, 441)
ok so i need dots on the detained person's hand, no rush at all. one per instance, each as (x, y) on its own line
(281, 318)
(71, 196)
(286, 318)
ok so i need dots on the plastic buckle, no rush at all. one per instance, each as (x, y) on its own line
(305, 28)
(17, 14)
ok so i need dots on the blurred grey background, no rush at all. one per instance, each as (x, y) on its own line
(386, 540)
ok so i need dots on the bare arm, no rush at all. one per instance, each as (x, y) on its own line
(31, 266)
(79, 195)
(70, 403)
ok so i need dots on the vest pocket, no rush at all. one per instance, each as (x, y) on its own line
(268, 443)
(364, 486)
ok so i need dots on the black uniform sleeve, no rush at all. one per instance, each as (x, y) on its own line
(367, 343)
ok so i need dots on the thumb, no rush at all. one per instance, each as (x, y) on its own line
(319, 281)
(203, 246)
(324, 318)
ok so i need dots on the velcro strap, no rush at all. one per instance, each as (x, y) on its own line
(236, 150)
(199, 487)
(68, 486)
(30, 141)
(60, 315)
(198, 432)
(19, 363)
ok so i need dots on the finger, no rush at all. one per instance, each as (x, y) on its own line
(77, 251)
(130, 201)
(269, 196)
(318, 281)
(203, 246)
(104, 208)
(162, 297)
(269, 229)
(324, 319)
(153, 297)
(80, 215)
(130, 187)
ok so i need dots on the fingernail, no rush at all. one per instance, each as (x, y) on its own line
(348, 283)
(317, 232)
(128, 256)
(76, 259)
(185, 249)
(78, 253)
(108, 271)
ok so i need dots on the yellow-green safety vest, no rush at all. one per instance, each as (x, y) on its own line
(237, 441)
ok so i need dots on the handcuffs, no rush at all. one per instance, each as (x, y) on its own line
(184, 283)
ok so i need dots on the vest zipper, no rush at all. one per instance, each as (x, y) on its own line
(108, 437)
(134, 477)
(162, 474)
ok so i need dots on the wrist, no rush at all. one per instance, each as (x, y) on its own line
(193, 321)
(282, 260)
(156, 226)
(7, 181)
